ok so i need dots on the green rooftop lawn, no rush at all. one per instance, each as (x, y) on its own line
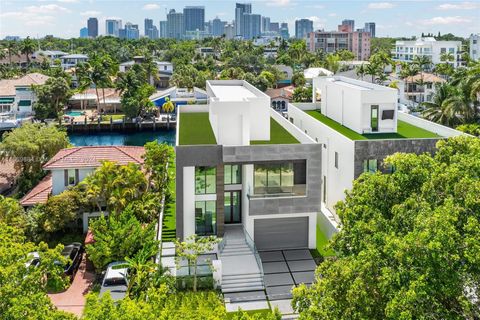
(169, 213)
(404, 130)
(195, 128)
(278, 135)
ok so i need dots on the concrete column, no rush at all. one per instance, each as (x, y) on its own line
(220, 201)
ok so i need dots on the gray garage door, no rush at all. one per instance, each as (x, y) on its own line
(282, 233)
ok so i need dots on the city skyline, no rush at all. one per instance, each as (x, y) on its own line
(64, 18)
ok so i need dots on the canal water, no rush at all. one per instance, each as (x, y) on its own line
(121, 138)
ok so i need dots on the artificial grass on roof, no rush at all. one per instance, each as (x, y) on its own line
(404, 130)
(195, 129)
(278, 135)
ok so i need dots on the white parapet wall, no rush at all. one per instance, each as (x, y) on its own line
(429, 125)
(291, 128)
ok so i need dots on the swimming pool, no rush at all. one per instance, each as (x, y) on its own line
(74, 113)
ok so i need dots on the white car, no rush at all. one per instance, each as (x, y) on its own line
(115, 280)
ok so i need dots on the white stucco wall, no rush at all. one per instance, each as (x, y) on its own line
(58, 179)
(188, 201)
(430, 126)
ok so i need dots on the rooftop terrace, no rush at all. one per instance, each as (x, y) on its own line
(404, 130)
(195, 129)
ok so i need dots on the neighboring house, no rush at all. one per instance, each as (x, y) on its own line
(72, 60)
(8, 176)
(475, 46)
(207, 51)
(287, 73)
(52, 55)
(419, 92)
(17, 96)
(280, 98)
(406, 51)
(108, 100)
(70, 166)
(179, 96)
(357, 124)
(21, 60)
(311, 73)
(165, 71)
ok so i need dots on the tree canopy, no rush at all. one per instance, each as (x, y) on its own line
(408, 247)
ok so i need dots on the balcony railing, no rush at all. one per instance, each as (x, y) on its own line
(253, 247)
(279, 191)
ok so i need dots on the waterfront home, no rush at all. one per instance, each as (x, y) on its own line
(17, 96)
(420, 87)
(165, 71)
(72, 60)
(109, 100)
(70, 166)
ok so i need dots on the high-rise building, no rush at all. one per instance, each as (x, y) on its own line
(240, 10)
(175, 25)
(370, 27)
(194, 18)
(163, 29)
(112, 27)
(252, 25)
(229, 31)
(151, 31)
(358, 42)
(84, 32)
(302, 28)
(218, 27)
(284, 31)
(208, 27)
(349, 22)
(92, 26)
(274, 27)
(148, 25)
(265, 24)
(130, 31)
(475, 47)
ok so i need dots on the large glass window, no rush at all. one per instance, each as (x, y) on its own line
(370, 165)
(205, 180)
(280, 178)
(205, 218)
(233, 174)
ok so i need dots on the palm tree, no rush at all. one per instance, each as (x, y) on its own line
(373, 70)
(94, 73)
(422, 62)
(447, 57)
(27, 48)
(168, 107)
(360, 70)
(333, 62)
(140, 268)
(447, 107)
(12, 49)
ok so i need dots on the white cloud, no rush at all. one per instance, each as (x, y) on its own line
(46, 9)
(380, 5)
(151, 6)
(90, 13)
(445, 20)
(458, 6)
(280, 3)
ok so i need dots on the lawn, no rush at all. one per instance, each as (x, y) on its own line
(114, 117)
(404, 130)
(278, 135)
(169, 214)
(195, 129)
(322, 242)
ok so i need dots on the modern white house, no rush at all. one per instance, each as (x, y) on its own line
(406, 51)
(17, 96)
(475, 46)
(358, 124)
(72, 165)
(52, 55)
(72, 60)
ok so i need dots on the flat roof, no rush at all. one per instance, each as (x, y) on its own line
(195, 129)
(405, 130)
(231, 92)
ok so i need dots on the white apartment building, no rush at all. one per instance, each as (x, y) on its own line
(407, 50)
(475, 46)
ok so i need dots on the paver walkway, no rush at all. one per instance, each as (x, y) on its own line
(73, 299)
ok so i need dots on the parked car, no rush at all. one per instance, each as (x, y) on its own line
(34, 260)
(73, 253)
(115, 280)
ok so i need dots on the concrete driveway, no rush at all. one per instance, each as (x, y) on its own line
(73, 299)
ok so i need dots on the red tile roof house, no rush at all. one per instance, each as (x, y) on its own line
(70, 166)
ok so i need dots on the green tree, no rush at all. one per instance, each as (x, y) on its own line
(332, 62)
(298, 79)
(12, 213)
(51, 98)
(302, 94)
(191, 248)
(360, 70)
(27, 47)
(373, 70)
(408, 247)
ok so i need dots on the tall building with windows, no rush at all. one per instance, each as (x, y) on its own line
(175, 25)
(151, 30)
(349, 22)
(112, 27)
(240, 10)
(130, 31)
(475, 47)
(218, 27)
(284, 31)
(265, 24)
(163, 29)
(370, 27)
(84, 32)
(252, 25)
(92, 25)
(229, 31)
(302, 28)
(274, 27)
(194, 18)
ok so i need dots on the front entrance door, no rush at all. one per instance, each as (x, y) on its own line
(374, 118)
(233, 210)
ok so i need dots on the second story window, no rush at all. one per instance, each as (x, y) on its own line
(205, 180)
(233, 174)
(71, 177)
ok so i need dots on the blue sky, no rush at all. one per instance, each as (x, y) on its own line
(64, 18)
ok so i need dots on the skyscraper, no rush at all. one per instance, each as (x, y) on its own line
(349, 22)
(194, 18)
(175, 25)
(151, 31)
(163, 29)
(265, 24)
(251, 25)
(274, 27)
(284, 31)
(148, 25)
(370, 27)
(92, 26)
(240, 10)
(112, 27)
(229, 31)
(218, 27)
(130, 31)
(302, 28)
(84, 32)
